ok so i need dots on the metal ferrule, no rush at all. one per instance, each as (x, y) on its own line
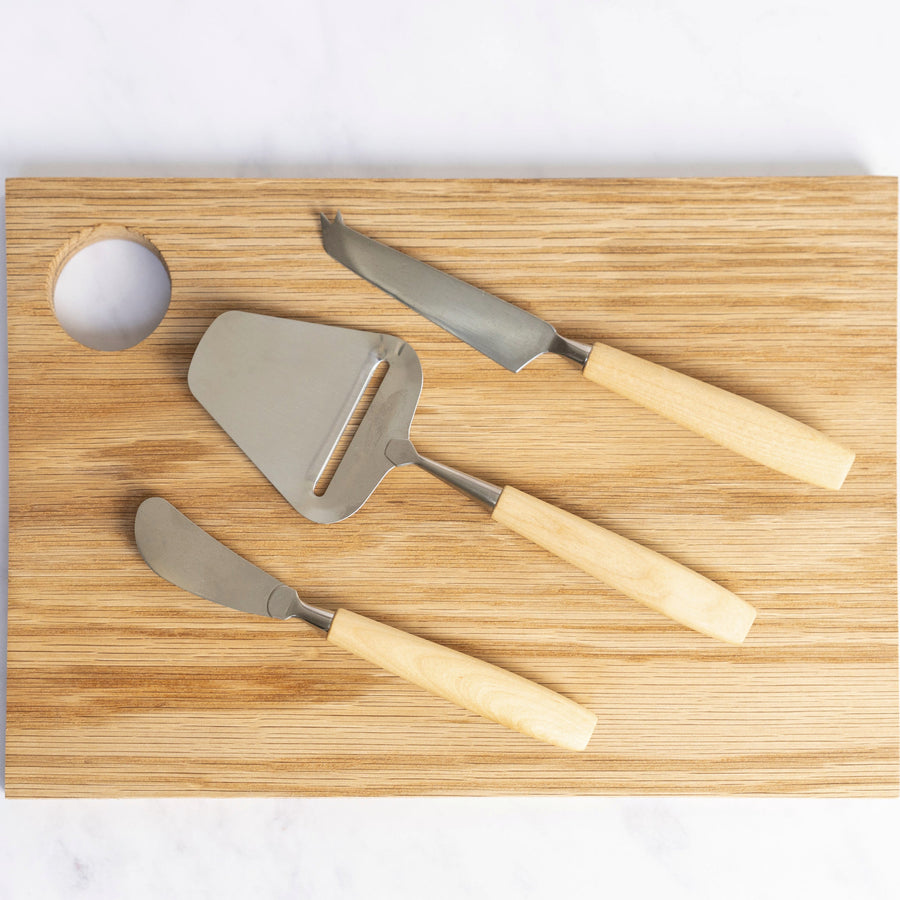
(285, 603)
(573, 350)
(321, 618)
(483, 491)
(402, 453)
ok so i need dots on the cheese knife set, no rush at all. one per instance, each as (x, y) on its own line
(285, 391)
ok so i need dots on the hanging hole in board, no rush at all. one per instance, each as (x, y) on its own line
(109, 288)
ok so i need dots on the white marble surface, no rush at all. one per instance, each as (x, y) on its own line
(620, 87)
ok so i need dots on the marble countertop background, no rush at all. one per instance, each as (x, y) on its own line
(393, 88)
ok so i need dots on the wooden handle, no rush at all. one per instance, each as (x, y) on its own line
(478, 686)
(659, 582)
(754, 431)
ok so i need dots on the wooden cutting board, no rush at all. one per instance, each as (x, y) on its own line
(782, 290)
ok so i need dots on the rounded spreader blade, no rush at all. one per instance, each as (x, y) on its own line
(183, 553)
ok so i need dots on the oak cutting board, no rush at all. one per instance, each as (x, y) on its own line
(782, 290)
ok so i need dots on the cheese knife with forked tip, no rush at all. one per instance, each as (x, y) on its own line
(513, 338)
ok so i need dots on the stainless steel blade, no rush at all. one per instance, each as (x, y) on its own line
(505, 333)
(285, 390)
(183, 553)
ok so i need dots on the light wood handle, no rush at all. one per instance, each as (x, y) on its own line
(478, 686)
(645, 575)
(754, 431)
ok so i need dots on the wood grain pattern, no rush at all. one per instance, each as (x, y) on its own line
(475, 685)
(637, 571)
(780, 290)
(761, 434)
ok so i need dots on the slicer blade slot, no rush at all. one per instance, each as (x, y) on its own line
(362, 407)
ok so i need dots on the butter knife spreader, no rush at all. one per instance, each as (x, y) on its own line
(186, 555)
